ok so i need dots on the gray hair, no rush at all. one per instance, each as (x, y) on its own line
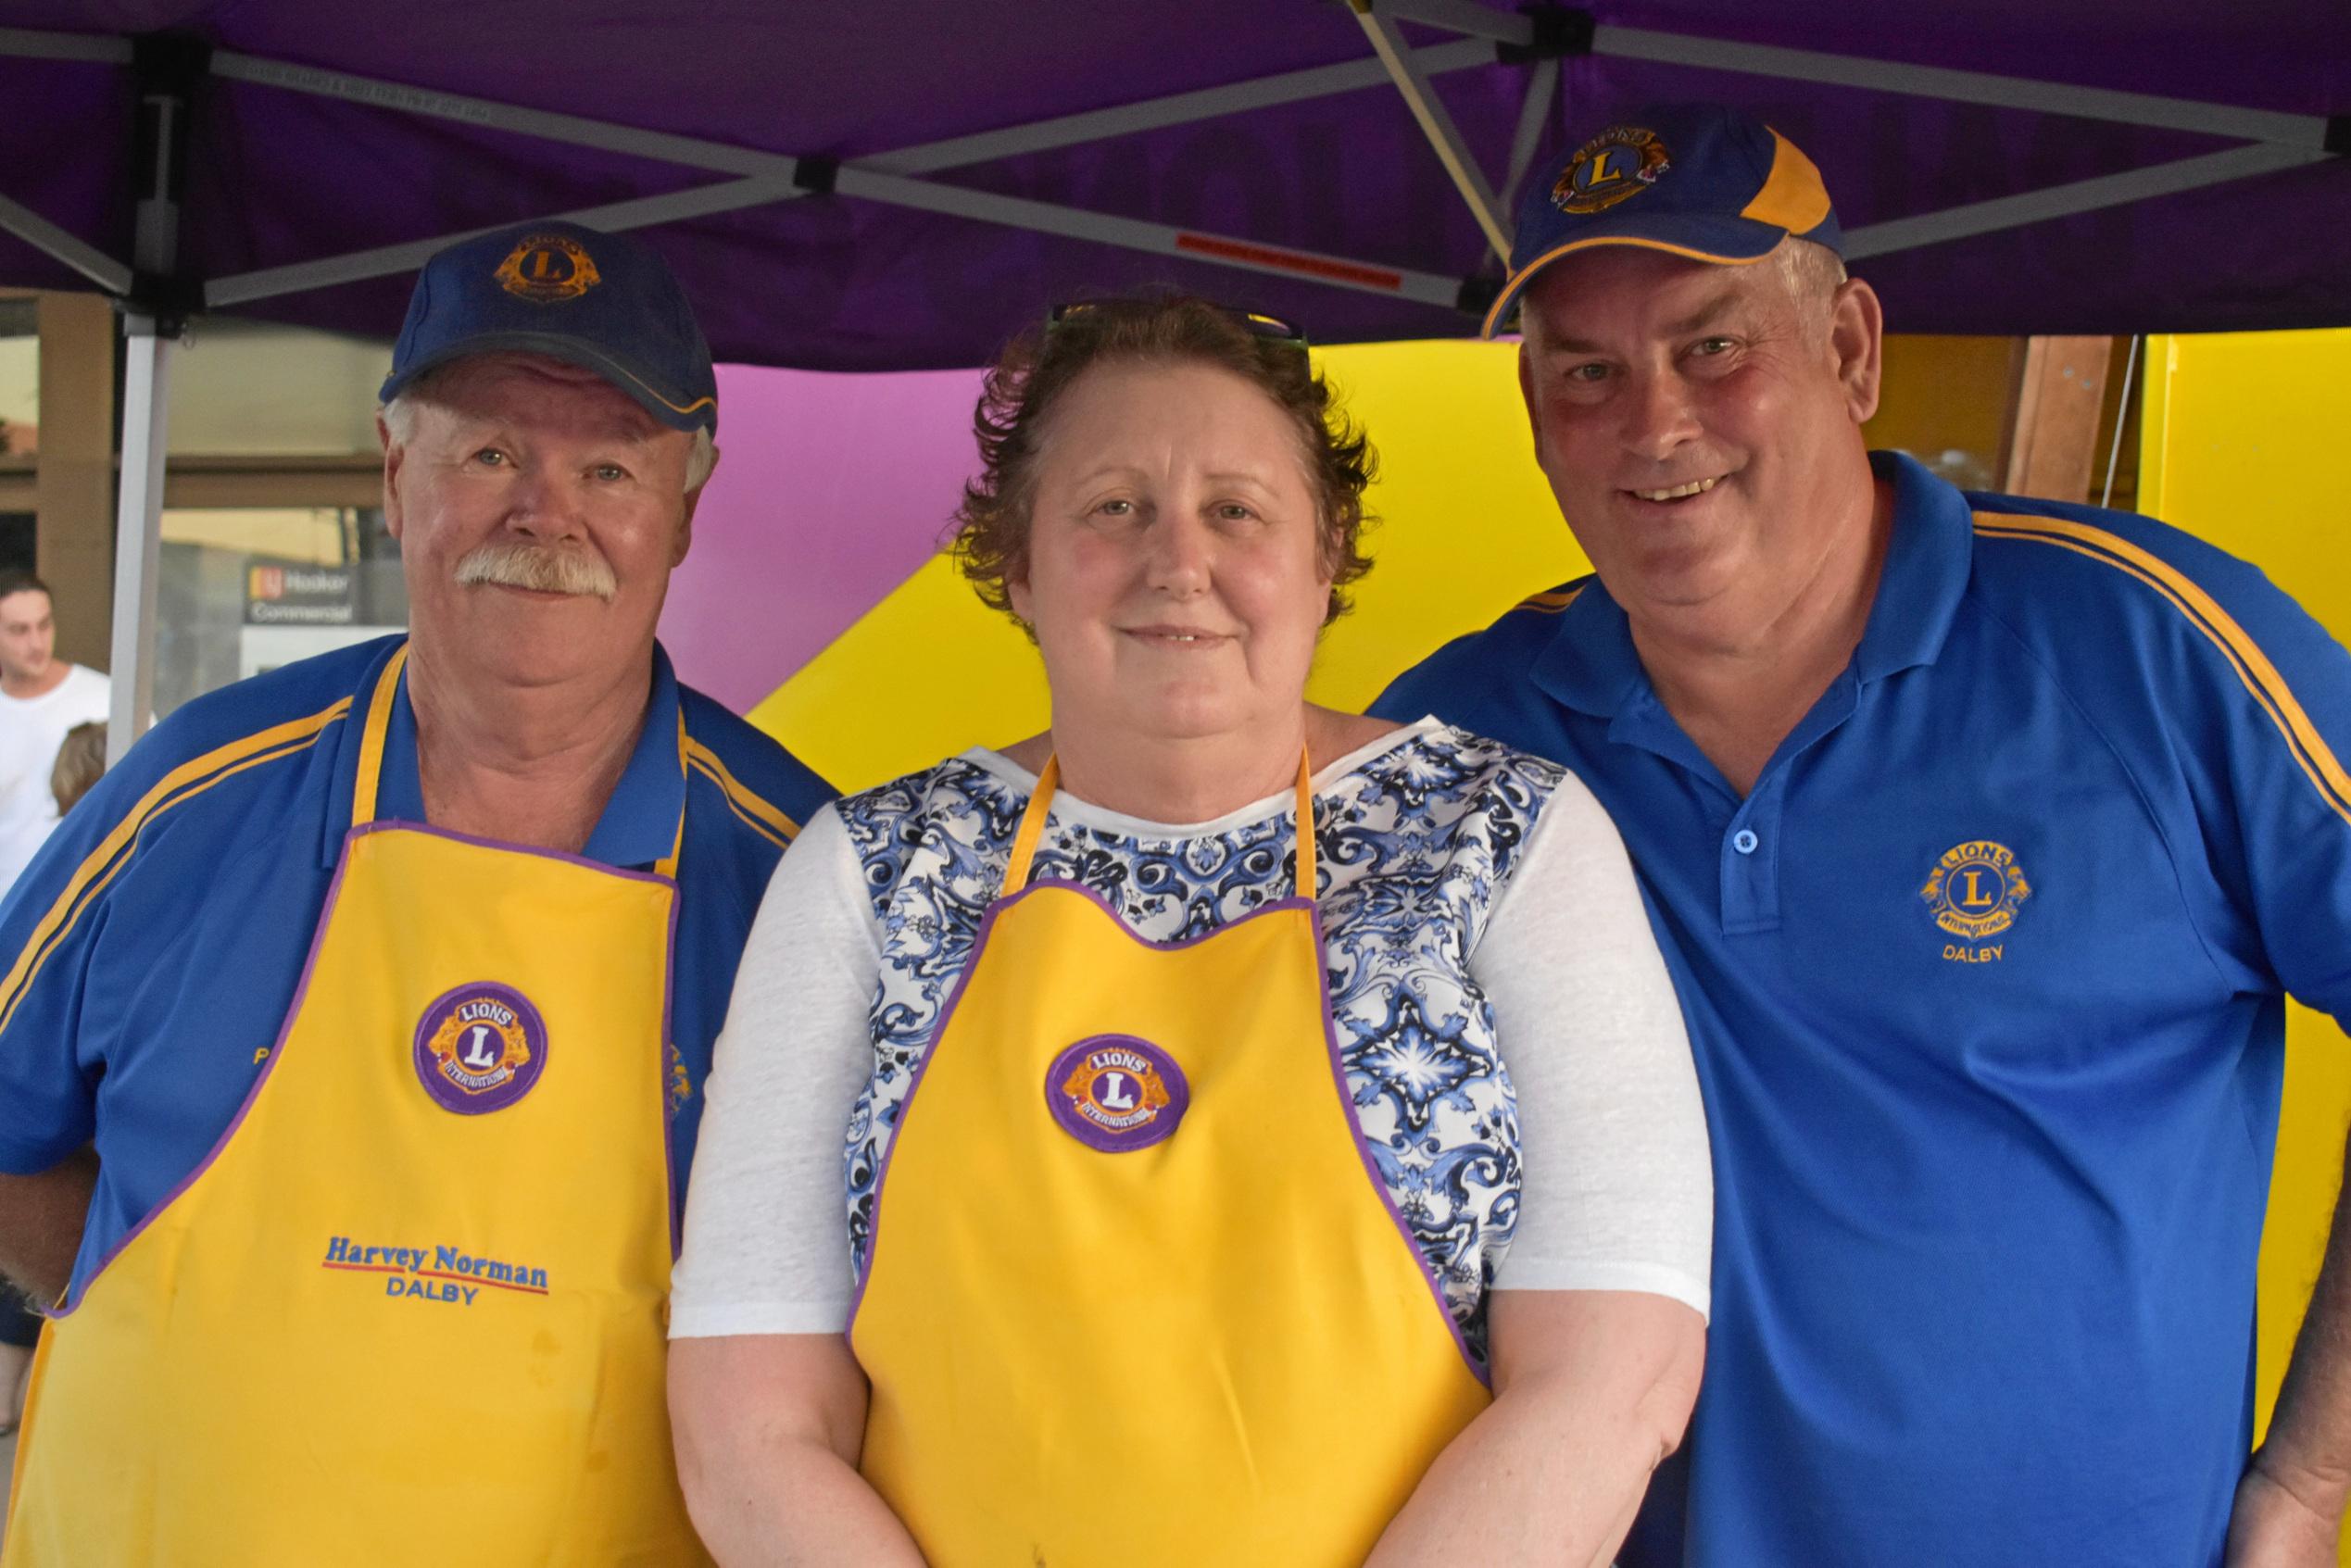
(1814, 273)
(399, 421)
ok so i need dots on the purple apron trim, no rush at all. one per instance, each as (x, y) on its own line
(661, 1049)
(669, 977)
(68, 1303)
(450, 1096)
(906, 1106)
(946, 1015)
(391, 825)
(1082, 1116)
(1371, 1170)
(71, 1302)
(1330, 1043)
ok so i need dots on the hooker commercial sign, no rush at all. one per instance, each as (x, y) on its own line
(301, 596)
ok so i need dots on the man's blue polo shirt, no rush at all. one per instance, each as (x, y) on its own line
(1985, 980)
(156, 942)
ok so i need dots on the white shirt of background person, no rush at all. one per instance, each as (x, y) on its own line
(41, 696)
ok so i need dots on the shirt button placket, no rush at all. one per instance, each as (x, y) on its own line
(1751, 864)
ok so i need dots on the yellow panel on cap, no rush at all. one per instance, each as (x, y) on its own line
(1794, 198)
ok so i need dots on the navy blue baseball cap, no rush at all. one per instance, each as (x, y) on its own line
(606, 303)
(1698, 182)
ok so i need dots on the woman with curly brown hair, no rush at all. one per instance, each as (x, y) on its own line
(1270, 1132)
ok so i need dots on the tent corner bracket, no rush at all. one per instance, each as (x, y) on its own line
(168, 300)
(1561, 32)
(1477, 294)
(169, 64)
(816, 175)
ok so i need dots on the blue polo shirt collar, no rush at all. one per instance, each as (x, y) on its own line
(1928, 558)
(640, 824)
(1592, 665)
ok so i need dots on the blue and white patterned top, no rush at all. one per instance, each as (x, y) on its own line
(1415, 844)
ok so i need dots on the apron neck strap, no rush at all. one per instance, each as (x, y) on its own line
(1040, 806)
(667, 865)
(365, 788)
(378, 725)
(1305, 811)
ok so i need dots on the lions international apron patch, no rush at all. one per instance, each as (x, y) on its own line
(1117, 1092)
(480, 1047)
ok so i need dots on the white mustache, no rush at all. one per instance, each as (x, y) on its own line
(544, 569)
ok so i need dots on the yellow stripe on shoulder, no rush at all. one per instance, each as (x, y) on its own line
(183, 783)
(1551, 602)
(2261, 678)
(753, 809)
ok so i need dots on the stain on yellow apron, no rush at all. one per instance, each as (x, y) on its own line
(409, 1309)
(1136, 1295)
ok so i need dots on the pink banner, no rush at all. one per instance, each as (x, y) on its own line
(832, 490)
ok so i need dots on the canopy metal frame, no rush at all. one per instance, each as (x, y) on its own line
(155, 296)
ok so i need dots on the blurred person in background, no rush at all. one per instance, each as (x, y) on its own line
(81, 758)
(41, 696)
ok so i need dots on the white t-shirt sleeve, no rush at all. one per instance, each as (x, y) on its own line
(30, 732)
(766, 1229)
(90, 696)
(1618, 1186)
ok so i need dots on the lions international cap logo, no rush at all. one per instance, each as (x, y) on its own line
(1117, 1092)
(547, 268)
(1975, 888)
(480, 1047)
(1621, 162)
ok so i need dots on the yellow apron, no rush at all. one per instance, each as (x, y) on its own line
(1135, 1293)
(410, 1308)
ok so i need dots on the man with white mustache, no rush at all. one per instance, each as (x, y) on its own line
(1986, 837)
(352, 1052)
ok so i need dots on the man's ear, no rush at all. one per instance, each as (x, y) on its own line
(685, 540)
(393, 456)
(1856, 334)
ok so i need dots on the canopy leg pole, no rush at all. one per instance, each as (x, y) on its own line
(1534, 112)
(138, 530)
(167, 69)
(1435, 124)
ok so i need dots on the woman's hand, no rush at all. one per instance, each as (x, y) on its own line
(768, 1428)
(1593, 1389)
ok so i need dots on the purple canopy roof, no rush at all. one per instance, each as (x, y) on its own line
(838, 281)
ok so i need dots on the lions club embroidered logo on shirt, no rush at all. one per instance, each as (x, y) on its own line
(1117, 1092)
(1973, 892)
(480, 1047)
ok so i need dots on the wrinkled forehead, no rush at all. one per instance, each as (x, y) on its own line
(514, 388)
(1611, 293)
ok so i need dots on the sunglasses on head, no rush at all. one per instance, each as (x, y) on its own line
(1272, 327)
